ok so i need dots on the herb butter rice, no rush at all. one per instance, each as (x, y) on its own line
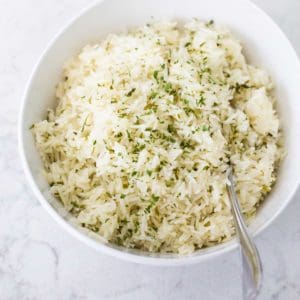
(146, 123)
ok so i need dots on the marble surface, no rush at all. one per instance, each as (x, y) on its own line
(38, 260)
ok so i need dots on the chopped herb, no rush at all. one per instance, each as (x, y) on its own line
(205, 128)
(201, 101)
(155, 75)
(185, 101)
(122, 115)
(112, 84)
(149, 172)
(84, 123)
(125, 185)
(138, 148)
(119, 134)
(210, 23)
(153, 95)
(153, 201)
(130, 92)
(32, 126)
(207, 224)
(238, 87)
(74, 204)
(168, 87)
(94, 228)
(187, 44)
(129, 136)
(158, 168)
(186, 144)
(227, 75)
(122, 196)
(171, 128)
(94, 143)
(176, 173)
(188, 110)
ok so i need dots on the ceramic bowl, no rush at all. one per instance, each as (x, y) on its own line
(265, 45)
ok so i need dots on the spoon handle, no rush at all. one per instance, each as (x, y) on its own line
(251, 263)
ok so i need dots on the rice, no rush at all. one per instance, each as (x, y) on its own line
(146, 124)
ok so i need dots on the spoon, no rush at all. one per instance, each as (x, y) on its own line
(251, 263)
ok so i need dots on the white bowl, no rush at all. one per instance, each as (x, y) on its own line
(264, 44)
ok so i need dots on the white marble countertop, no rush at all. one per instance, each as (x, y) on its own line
(39, 260)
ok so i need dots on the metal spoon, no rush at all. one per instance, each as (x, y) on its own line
(251, 263)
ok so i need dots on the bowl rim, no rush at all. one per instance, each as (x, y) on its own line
(174, 260)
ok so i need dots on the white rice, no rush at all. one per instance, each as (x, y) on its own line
(146, 122)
